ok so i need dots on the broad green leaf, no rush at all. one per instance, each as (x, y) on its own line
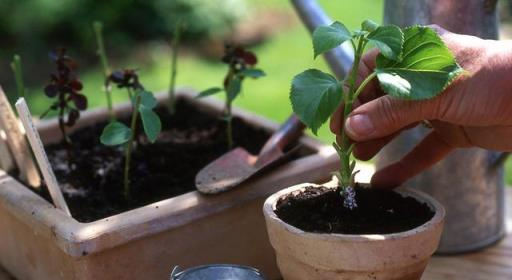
(150, 122)
(234, 88)
(315, 95)
(328, 37)
(427, 66)
(208, 92)
(253, 73)
(115, 133)
(369, 25)
(389, 39)
(146, 98)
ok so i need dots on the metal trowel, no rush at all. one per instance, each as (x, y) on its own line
(238, 165)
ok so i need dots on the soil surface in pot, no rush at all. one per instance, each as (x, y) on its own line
(321, 210)
(190, 139)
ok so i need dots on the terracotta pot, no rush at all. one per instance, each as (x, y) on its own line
(398, 256)
(38, 241)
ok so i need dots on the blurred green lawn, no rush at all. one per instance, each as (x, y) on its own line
(281, 57)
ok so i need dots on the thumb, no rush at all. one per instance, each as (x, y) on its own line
(386, 115)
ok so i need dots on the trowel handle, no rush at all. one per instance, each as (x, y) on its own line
(289, 131)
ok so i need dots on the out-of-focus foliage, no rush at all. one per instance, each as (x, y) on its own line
(44, 22)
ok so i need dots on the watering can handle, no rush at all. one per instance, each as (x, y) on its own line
(340, 59)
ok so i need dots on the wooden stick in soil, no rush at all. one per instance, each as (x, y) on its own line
(41, 157)
(6, 160)
(17, 143)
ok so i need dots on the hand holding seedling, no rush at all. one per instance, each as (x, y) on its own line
(413, 64)
(473, 111)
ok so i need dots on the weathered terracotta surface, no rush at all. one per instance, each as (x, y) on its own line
(310, 256)
(38, 241)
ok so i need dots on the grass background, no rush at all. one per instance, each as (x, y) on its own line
(281, 57)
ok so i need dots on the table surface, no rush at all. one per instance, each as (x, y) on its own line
(494, 263)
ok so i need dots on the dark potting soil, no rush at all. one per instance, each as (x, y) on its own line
(190, 139)
(321, 210)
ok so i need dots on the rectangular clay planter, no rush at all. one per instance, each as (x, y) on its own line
(38, 241)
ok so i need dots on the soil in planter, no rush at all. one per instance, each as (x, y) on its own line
(93, 186)
(321, 210)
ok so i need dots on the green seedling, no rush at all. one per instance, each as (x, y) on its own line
(241, 65)
(413, 64)
(18, 75)
(174, 67)
(117, 133)
(102, 54)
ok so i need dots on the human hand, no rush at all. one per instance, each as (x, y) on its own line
(475, 110)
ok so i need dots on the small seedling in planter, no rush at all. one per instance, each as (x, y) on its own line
(413, 64)
(98, 32)
(143, 103)
(174, 66)
(18, 75)
(241, 65)
(65, 87)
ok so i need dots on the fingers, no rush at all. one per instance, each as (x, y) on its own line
(367, 150)
(428, 152)
(387, 115)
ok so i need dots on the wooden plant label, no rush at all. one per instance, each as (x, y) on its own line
(41, 157)
(17, 144)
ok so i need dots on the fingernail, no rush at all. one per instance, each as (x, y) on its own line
(359, 125)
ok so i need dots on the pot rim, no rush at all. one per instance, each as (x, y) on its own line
(439, 214)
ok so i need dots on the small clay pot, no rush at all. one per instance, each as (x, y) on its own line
(397, 256)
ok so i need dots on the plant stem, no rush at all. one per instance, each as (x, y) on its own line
(98, 31)
(228, 110)
(363, 84)
(229, 125)
(174, 67)
(18, 75)
(129, 148)
(345, 170)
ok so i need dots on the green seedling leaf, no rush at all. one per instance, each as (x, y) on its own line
(208, 92)
(234, 88)
(146, 98)
(369, 25)
(150, 122)
(315, 95)
(115, 133)
(253, 73)
(328, 37)
(427, 66)
(389, 39)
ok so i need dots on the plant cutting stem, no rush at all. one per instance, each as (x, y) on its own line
(345, 168)
(98, 31)
(129, 148)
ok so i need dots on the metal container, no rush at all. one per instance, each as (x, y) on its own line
(469, 182)
(217, 272)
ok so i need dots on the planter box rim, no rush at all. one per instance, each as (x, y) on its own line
(269, 207)
(79, 239)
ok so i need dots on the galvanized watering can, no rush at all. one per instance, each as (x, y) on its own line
(469, 183)
(217, 272)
